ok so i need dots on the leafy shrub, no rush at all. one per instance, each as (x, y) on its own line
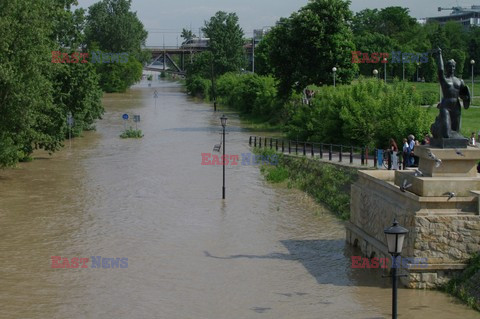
(428, 98)
(198, 86)
(465, 286)
(275, 174)
(367, 112)
(248, 93)
(131, 133)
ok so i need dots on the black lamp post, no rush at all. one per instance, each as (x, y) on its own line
(223, 119)
(395, 235)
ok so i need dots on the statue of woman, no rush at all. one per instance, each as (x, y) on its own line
(447, 123)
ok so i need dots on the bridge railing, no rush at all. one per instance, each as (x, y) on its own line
(331, 152)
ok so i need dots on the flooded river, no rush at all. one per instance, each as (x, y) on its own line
(264, 252)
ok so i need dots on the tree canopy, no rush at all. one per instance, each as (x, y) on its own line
(226, 42)
(303, 48)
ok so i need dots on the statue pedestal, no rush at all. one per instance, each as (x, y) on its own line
(443, 229)
(457, 172)
(449, 142)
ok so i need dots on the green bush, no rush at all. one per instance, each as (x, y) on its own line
(428, 98)
(248, 93)
(465, 286)
(275, 174)
(198, 86)
(368, 112)
(131, 133)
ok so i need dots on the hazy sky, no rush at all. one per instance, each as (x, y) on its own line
(165, 19)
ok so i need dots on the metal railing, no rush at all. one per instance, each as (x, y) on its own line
(332, 152)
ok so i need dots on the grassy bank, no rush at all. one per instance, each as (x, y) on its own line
(467, 286)
(328, 184)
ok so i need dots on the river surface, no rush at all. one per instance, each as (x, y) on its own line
(264, 252)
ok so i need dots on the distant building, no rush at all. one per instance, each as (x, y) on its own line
(466, 16)
(258, 34)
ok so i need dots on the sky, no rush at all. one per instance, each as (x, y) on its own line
(164, 20)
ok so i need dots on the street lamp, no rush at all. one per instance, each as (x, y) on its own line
(472, 62)
(418, 67)
(223, 120)
(385, 69)
(334, 70)
(375, 73)
(395, 236)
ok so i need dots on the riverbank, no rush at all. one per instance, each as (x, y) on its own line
(329, 185)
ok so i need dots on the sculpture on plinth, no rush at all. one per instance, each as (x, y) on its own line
(446, 128)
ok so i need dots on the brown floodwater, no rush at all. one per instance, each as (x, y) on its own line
(264, 252)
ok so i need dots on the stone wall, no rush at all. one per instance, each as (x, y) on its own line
(446, 231)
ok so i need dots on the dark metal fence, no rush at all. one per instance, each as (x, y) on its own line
(332, 152)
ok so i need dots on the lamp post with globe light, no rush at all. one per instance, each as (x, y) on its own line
(334, 70)
(385, 69)
(395, 236)
(472, 62)
(375, 73)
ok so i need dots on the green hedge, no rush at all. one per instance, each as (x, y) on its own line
(466, 286)
(198, 86)
(249, 93)
(368, 112)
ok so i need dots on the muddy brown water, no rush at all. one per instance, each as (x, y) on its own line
(264, 252)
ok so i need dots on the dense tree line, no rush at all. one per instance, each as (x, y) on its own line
(36, 95)
(303, 48)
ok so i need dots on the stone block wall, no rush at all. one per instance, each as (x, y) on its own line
(445, 232)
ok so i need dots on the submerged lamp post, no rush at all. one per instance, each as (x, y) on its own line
(223, 119)
(395, 236)
(334, 70)
(472, 62)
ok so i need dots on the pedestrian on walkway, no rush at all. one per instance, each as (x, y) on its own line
(410, 150)
(472, 139)
(393, 150)
(405, 153)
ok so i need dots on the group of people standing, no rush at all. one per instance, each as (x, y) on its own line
(408, 151)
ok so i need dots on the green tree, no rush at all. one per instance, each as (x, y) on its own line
(262, 61)
(473, 49)
(226, 42)
(397, 23)
(309, 43)
(113, 28)
(187, 35)
(28, 118)
(36, 94)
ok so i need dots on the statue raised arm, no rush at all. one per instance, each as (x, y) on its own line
(447, 123)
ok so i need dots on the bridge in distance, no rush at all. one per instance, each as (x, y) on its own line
(163, 58)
